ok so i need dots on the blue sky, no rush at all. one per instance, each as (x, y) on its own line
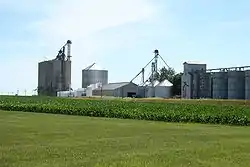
(119, 35)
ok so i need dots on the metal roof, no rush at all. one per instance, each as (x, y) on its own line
(193, 62)
(113, 86)
(165, 83)
(150, 84)
(96, 67)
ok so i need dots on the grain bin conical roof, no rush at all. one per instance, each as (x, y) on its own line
(166, 83)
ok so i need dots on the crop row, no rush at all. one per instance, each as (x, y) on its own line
(168, 112)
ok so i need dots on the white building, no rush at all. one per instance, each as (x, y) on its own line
(120, 89)
(80, 92)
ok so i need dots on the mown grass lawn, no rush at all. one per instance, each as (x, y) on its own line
(47, 140)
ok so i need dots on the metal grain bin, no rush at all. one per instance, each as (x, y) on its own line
(50, 78)
(236, 85)
(93, 76)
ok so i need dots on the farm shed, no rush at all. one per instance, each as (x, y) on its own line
(120, 89)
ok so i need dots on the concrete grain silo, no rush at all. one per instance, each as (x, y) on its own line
(220, 85)
(236, 85)
(247, 85)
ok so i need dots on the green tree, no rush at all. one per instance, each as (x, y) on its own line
(177, 84)
(167, 74)
(171, 76)
(157, 76)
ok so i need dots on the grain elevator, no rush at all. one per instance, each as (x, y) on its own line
(55, 75)
(219, 83)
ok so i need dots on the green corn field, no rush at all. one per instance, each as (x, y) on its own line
(186, 111)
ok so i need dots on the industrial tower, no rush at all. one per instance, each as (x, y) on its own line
(154, 69)
(152, 79)
(55, 75)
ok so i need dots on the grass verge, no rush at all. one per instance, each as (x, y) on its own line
(40, 140)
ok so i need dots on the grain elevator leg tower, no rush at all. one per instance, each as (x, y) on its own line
(195, 82)
(55, 75)
(149, 87)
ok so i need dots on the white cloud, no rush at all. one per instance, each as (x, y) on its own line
(80, 20)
